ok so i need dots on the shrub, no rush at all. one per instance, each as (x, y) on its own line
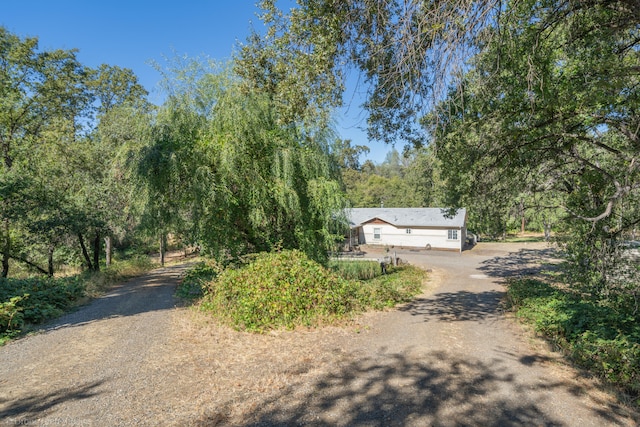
(281, 289)
(287, 289)
(601, 338)
(196, 278)
(37, 299)
(11, 316)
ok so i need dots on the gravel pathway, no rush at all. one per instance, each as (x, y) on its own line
(450, 358)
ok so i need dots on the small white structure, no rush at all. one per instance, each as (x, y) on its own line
(427, 228)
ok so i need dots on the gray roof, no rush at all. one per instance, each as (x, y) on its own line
(408, 217)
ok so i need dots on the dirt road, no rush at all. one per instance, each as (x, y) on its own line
(450, 358)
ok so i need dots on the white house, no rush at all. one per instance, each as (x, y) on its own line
(429, 228)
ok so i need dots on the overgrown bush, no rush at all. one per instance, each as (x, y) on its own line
(602, 338)
(287, 289)
(279, 289)
(194, 283)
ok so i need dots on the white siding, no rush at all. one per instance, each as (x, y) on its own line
(419, 237)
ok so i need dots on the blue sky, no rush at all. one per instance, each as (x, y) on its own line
(132, 33)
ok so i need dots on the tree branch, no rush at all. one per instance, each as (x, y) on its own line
(29, 263)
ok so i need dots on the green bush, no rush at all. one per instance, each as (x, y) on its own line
(11, 316)
(602, 338)
(287, 289)
(195, 280)
(282, 289)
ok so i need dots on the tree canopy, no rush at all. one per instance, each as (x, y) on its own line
(528, 104)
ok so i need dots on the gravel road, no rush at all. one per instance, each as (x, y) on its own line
(450, 358)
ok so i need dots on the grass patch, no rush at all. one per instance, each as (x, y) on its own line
(600, 338)
(286, 289)
(356, 270)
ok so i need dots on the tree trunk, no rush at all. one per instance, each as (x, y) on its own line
(107, 250)
(97, 244)
(163, 244)
(6, 250)
(50, 260)
(547, 231)
(85, 254)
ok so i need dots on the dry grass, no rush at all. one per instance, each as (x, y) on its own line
(237, 372)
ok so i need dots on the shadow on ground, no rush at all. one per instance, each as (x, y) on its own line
(151, 292)
(525, 262)
(25, 411)
(397, 390)
(457, 306)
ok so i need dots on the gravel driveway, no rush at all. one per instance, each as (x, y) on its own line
(450, 358)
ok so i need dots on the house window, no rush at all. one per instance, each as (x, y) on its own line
(452, 235)
(408, 231)
(376, 233)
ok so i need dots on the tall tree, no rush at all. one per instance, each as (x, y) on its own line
(551, 106)
(41, 92)
(224, 170)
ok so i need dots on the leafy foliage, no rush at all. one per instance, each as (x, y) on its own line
(222, 170)
(287, 289)
(194, 282)
(600, 337)
(36, 300)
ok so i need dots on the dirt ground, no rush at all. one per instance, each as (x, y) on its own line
(449, 358)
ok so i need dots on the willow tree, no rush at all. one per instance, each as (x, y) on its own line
(223, 170)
